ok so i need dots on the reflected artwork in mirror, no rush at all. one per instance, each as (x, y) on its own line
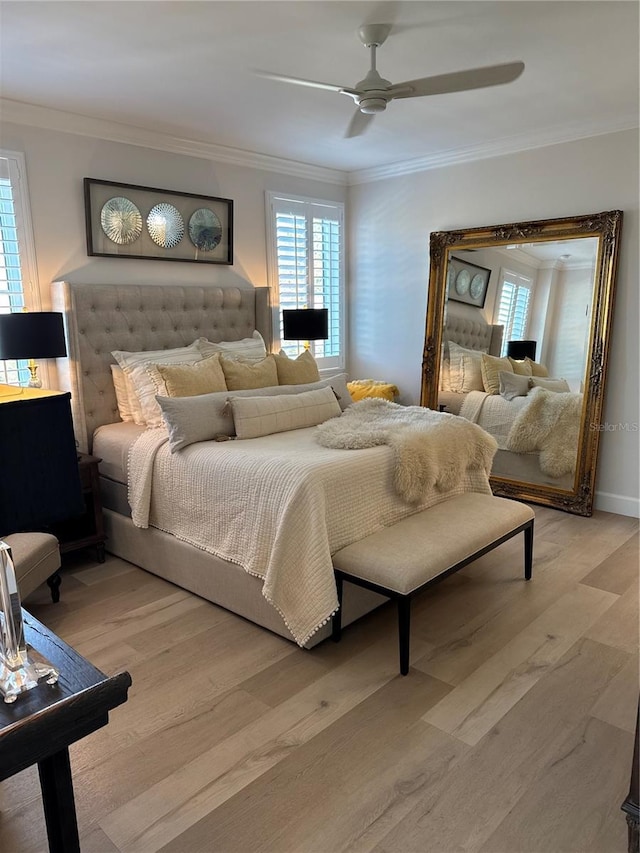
(529, 363)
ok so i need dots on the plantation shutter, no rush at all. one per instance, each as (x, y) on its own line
(514, 305)
(309, 269)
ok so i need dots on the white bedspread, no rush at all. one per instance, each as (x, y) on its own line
(278, 506)
(493, 413)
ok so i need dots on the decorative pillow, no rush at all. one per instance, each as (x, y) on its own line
(257, 416)
(513, 385)
(537, 369)
(465, 370)
(168, 356)
(296, 371)
(559, 385)
(241, 375)
(522, 368)
(250, 349)
(362, 388)
(491, 367)
(145, 382)
(203, 418)
(122, 392)
(189, 380)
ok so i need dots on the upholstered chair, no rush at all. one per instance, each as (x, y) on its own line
(36, 557)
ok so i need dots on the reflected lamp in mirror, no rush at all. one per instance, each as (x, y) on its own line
(519, 350)
(305, 324)
(31, 335)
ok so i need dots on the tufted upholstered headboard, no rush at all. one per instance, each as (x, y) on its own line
(100, 318)
(473, 334)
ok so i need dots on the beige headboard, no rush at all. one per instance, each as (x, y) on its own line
(473, 334)
(100, 318)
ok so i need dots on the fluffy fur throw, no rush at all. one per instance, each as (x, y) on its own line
(550, 423)
(431, 448)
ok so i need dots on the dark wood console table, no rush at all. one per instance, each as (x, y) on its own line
(41, 724)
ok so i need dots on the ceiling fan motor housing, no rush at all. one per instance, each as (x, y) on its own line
(371, 105)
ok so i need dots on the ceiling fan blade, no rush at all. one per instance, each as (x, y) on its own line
(460, 81)
(298, 81)
(358, 124)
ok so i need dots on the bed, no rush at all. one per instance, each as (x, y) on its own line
(102, 318)
(528, 449)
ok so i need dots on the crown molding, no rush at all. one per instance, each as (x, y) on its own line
(111, 131)
(494, 148)
(66, 122)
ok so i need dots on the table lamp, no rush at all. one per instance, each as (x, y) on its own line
(305, 324)
(519, 350)
(32, 335)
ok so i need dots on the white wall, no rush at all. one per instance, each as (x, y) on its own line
(390, 225)
(56, 164)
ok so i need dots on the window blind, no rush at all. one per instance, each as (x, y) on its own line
(514, 305)
(11, 279)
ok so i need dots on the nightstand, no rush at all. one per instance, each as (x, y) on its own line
(86, 529)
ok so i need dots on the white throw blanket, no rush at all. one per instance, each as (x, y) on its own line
(432, 449)
(277, 506)
(549, 423)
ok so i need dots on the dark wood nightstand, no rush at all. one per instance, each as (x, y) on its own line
(88, 528)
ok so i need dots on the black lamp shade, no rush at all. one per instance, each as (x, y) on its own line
(305, 324)
(37, 334)
(519, 350)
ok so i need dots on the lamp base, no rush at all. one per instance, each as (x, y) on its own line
(18, 677)
(34, 381)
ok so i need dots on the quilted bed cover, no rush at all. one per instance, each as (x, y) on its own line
(277, 506)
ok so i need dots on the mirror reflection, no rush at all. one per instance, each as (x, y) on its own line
(517, 319)
(517, 339)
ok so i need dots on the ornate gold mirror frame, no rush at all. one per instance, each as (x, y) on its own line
(606, 228)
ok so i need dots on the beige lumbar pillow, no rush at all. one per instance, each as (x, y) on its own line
(491, 368)
(241, 375)
(296, 371)
(257, 416)
(191, 380)
(522, 368)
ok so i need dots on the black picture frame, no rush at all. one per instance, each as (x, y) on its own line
(183, 226)
(464, 277)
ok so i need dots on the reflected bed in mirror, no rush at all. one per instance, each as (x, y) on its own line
(528, 361)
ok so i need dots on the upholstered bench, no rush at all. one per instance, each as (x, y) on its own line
(423, 549)
(36, 558)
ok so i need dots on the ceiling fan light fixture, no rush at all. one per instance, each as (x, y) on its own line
(370, 106)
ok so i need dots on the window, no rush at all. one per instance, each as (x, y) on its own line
(513, 306)
(306, 268)
(18, 280)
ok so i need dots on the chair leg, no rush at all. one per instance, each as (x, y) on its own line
(336, 619)
(404, 628)
(528, 552)
(54, 585)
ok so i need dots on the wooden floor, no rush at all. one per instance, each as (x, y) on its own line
(512, 732)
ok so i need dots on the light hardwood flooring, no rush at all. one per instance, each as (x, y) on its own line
(513, 731)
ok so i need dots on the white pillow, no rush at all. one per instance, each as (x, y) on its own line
(144, 385)
(465, 369)
(559, 385)
(513, 384)
(173, 356)
(203, 418)
(257, 416)
(249, 349)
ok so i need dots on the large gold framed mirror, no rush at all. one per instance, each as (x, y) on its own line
(517, 340)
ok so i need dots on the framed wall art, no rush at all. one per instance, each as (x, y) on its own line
(129, 221)
(467, 282)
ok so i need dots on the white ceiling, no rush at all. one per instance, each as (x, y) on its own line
(185, 69)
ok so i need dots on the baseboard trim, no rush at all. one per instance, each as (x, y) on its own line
(620, 504)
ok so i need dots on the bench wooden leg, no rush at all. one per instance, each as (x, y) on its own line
(404, 629)
(336, 619)
(528, 551)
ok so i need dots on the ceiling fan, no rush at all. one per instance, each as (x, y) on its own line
(373, 93)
